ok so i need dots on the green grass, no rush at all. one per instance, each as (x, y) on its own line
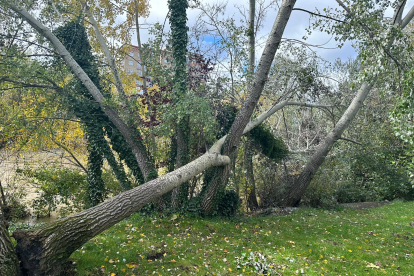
(378, 241)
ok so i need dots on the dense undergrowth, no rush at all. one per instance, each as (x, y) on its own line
(377, 241)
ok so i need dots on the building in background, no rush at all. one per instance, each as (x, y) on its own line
(198, 67)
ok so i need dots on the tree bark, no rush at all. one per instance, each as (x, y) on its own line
(136, 145)
(178, 21)
(44, 251)
(299, 186)
(248, 164)
(296, 191)
(251, 35)
(9, 263)
(243, 116)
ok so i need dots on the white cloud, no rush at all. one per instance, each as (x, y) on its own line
(294, 30)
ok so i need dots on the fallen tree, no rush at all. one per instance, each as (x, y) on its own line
(44, 251)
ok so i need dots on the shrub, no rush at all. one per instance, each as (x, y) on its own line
(229, 204)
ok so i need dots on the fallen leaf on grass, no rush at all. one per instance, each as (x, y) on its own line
(371, 265)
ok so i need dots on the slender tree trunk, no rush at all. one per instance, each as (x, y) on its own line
(242, 119)
(300, 185)
(9, 263)
(248, 164)
(248, 154)
(141, 57)
(298, 188)
(251, 34)
(136, 145)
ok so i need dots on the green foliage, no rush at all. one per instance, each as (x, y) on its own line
(96, 123)
(57, 186)
(254, 262)
(179, 39)
(314, 241)
(228, 204)
(15, 226)
(371, 172)
(272, 147)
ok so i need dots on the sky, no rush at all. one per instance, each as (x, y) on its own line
(295, 29)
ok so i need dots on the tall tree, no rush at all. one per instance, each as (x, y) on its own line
(178, 21)
(45, 250)
(296, 191)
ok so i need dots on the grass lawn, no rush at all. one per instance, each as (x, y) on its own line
(377, 241)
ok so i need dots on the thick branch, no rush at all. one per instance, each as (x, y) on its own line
(108, 55)
(408, 17)
(139, 153)
(52, 244)
(273, 42)
(320, 15)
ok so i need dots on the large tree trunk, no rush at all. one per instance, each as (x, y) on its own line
(298, 188)
(45, 251)
(9, 263)
(243, 116)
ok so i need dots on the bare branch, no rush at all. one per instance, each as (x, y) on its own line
(320, 15)
(349, 140)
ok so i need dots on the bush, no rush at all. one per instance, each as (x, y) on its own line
(57, 186)
(229, 204)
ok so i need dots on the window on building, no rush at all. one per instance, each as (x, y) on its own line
(130, 71)
(130, 62)
(131, 54)
(139, 66)
(165, 61)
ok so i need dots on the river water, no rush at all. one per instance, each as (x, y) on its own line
(12, 182)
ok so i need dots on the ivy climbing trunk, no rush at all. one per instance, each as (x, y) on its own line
(218, 182)
(133, 141)
(178, 21)
(9, 263)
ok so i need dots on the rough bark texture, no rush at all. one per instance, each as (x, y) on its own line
(296, 191)
(136, 145)
(44, 251)
(9, 263)
(243, 117)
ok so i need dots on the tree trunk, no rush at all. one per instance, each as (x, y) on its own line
(251, 35)
(243, 116)
(248, 164)
(136, 145)
(178, 21)
(9, 263)
(298, 188)
(45, 251)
